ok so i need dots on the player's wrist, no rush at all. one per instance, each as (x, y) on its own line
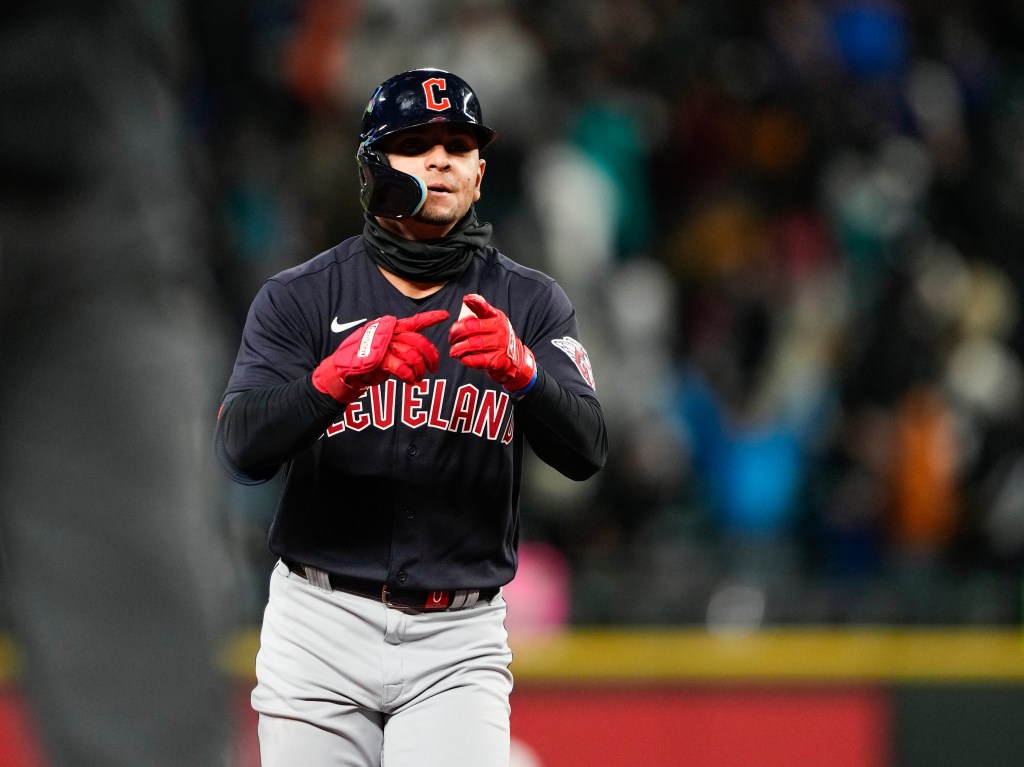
(515, 390)
(524, 374)
(327, 381)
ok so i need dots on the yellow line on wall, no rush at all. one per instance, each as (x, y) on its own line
(847, 655)
(9, 660)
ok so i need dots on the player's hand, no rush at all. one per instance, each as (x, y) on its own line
(483, 338)
(384, 347)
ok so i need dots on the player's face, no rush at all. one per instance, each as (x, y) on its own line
(447, 158)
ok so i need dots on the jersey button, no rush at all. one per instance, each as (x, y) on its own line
(412, 450)
(402, 576)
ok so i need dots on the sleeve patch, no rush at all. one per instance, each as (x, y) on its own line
(575, 351)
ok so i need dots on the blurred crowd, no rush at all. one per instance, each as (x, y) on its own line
(791, 230)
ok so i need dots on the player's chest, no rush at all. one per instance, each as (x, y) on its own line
(450, 406)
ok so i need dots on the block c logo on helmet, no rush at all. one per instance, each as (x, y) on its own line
(434, 103)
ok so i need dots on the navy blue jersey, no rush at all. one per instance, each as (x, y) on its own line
(415, 485)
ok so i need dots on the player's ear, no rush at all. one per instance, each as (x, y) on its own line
(479, 179)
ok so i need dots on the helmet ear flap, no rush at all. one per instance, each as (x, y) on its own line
(385, 191)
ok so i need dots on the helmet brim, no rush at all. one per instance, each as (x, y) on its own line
(484, 135)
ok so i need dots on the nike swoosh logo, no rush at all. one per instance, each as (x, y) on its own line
(340, 327)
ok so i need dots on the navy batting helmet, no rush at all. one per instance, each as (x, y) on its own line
(408, 100)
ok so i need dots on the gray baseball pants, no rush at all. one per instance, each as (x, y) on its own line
(344, 681)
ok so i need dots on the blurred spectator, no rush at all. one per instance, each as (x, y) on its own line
(538, 597)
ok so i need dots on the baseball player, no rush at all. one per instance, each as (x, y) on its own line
(397, 378)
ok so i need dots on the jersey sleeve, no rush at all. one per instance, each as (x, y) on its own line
(279, 341)
(270, 410)
(551, 332)
(561, 416)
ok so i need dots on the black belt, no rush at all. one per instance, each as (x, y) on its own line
(402, 599)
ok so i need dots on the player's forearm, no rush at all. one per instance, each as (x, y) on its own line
(260, 429)
(565, 430)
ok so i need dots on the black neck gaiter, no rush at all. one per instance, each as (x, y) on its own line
(426, 260)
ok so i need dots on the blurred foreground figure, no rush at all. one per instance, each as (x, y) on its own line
(109, 545)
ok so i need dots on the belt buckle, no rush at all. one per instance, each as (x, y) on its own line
(385, 597)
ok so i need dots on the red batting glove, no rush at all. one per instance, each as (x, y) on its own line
(484, 339)
(382, 348)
